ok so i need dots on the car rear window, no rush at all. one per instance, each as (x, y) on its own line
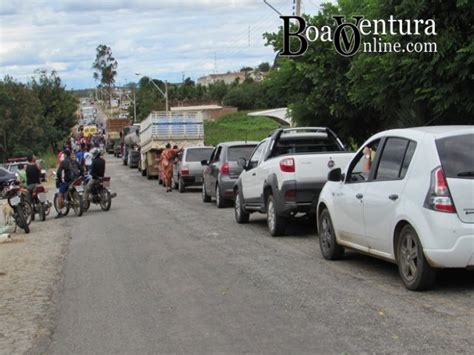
(456, 156)
(295, 145)
(237, 152)
(198, 154)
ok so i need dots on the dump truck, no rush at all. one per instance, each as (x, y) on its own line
(113, 128)
(130, 146)
(184, 129)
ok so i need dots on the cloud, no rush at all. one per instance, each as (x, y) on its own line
(158, 38)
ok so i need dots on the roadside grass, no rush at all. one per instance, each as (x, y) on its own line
(49, 159)
(238, 126)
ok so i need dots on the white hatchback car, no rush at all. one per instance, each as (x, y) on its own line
(407, 196)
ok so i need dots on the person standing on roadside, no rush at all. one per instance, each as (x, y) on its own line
(64, 178)
(167, 157)
(33, 175)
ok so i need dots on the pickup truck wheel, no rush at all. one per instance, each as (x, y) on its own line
(276, 224)
(220, 202)
(415, 272)
(181, 187)
(240, 215)
(205, 196)
(327, 238)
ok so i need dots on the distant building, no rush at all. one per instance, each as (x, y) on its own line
(230, 77)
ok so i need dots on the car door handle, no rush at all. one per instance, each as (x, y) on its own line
(393, 197)
(359, 196)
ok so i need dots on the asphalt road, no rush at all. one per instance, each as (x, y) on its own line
(164, 273)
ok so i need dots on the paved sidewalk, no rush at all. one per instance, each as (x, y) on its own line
(30, 270)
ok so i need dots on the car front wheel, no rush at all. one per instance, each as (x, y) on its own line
(416, 273)
(330, 249)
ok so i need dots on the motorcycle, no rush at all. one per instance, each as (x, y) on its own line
(40, 205)
(72, 199)
(100, 194)
(21, 208)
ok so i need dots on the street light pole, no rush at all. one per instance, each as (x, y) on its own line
(134, 107)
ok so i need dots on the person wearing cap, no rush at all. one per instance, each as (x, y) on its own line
(64, 177)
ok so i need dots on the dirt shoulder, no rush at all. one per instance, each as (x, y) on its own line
(30, 275)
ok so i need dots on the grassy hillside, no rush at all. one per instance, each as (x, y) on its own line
(238, 126)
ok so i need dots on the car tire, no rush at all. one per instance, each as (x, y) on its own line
(330, 249)
(276, 223)
(181, 187)
(220, 201)
(204, 195)
(241, 216)
(415, 271)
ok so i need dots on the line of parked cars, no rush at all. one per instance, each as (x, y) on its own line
(406, 196)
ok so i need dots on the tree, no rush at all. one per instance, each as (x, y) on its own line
(264, 67)
(58, 106)
(105, 66)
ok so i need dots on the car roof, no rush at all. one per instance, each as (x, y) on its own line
(433, 131)
(234, 143)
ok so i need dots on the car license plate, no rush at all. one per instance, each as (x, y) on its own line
(15, 200)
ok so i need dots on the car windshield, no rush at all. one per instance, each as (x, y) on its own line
(455, 154)
(237, 152)
(198, 154)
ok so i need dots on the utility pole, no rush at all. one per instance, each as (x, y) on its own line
(134, 106)
(297, 7)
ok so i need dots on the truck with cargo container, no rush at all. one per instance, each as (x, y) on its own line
(184, 129)
(130, 146)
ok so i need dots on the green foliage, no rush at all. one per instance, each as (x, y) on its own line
(369, 92)
(34, 117)
(238, 126)
(105, 66)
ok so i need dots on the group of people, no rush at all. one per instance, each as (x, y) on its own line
(166, 163)
(72, 164)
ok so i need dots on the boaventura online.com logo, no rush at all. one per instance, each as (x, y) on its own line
(349, 37)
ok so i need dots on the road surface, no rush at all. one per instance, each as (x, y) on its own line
(164, 273)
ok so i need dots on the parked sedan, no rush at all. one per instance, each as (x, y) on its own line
(222, 171)
(187, 169)
(407, 197)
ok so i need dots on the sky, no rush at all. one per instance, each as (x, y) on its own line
(163, 39)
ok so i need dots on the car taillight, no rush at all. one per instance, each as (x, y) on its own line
(184, 171)
(225, 169)
(438, 197)
(287, 165)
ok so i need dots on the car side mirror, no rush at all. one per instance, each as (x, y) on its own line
(335, 175)
(204, 163)
(242, 162)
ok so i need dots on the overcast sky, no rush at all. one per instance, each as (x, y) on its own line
(165, 39)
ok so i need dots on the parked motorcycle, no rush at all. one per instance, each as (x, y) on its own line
(40, 205)
(100, 194)
(21, 208)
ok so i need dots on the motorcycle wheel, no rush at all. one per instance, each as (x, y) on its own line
(65, 210)
(42, 211)
(28, 211)
(77, 205)
(21, 220)
(105, 200)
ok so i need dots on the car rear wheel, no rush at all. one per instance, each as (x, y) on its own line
(330, 249)
(241, 216)
(205, 196)
(220, 201)
(416, 273)
(276, 224)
